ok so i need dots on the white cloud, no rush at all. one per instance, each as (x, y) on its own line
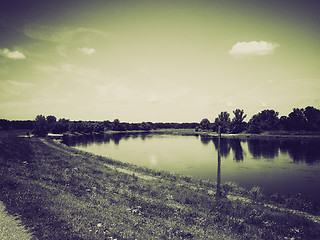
(12, 54)
(87, 51)
(253, 48)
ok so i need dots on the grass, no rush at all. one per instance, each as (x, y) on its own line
(11, 228)
(63, 193)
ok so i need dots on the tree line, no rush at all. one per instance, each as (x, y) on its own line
(16, 124)
(300, 119)
(44, 125)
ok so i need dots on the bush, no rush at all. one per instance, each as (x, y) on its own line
(40, 126)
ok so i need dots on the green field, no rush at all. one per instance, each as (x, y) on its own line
(62, 193)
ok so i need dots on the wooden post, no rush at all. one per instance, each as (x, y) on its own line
(218, 194)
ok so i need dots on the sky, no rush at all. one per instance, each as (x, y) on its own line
(158, 61)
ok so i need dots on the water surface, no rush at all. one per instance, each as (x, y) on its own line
(276, 165)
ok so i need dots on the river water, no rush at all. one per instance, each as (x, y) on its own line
(276, 165)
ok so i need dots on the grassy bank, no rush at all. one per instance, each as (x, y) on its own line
(63, 193)
(11, 228)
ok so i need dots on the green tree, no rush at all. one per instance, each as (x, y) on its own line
(51, 121)
(237, 124)
(117, 126)
(223, 120)
(205, 124)
(40, 126)
(61, 126)
(98, 127)
(265, 120)
(297, 119)
(313, 118)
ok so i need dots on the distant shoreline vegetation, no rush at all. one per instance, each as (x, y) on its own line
(301, 121)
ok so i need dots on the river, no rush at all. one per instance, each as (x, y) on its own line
(285, 166)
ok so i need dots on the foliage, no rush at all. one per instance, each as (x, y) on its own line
(223, 120)
(313, 118)
(237, 124)
(302, 119)
(205, 124)
(265, 120)
(307, 119)
(40, 126)
(61, 126)
(297, 120)
(16, 124)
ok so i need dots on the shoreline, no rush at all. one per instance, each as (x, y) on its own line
(192, 132)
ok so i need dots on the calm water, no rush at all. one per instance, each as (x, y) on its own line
(283, 166)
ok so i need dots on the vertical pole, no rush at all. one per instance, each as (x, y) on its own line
(218, 194)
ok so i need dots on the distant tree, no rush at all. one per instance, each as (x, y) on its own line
(107, 125)
(264, 121)
(117, 126)
(312, 116)
(51, 121)
(40, 126)
(205, 124)
(98, 127)
(254, 128)
(297, 119)
(61, 126)
(223, 120)
(283, 123)
(145, 126)
(237, 124)
(4, 124)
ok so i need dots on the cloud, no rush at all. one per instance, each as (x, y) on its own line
(253, 48)
(61, 35)
(87, 51)
(12, 54)
(65, 39)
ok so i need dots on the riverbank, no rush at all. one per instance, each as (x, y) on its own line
(63, 193)
(193, 132)
(265, 135)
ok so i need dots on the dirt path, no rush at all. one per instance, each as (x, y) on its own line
(11, 228)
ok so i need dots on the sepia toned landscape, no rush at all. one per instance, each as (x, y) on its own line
(159, 119)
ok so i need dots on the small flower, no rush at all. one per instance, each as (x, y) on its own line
(99, 225)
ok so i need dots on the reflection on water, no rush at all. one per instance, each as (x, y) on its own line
(278, 165)
(300, 150)
(236, 147)
(264, 148)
